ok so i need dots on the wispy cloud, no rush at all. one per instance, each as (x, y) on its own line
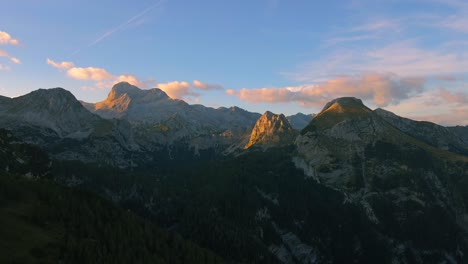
(7, 55)
(6, 39)
(439, 106)
(404, 58)
(64, 65)
(135, 19)
(337, 40)
(378, 25)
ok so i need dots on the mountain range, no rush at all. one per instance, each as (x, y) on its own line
(349, 184)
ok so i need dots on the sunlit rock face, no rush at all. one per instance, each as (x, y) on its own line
(271, 129)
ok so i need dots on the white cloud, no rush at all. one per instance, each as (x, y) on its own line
(15, 60)
(104, 80)
(101, 77)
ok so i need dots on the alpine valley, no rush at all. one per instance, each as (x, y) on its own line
(144, 178)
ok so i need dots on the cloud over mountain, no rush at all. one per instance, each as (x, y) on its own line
(381, 89)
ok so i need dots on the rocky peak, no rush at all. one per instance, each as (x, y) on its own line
(124, 89)
(348, 109)
(270, 128)
(122, 95)
(57, 100)
(56, 109)
(345, 104)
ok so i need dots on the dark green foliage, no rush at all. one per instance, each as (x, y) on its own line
(78, 227)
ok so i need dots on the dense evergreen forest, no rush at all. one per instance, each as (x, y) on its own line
(44, 222)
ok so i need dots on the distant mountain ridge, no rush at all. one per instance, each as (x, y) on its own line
(300, 120)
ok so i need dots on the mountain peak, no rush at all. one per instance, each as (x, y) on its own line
(345, 104)
(124, 88)
(270, 128)
(53, 99)
(338, 110)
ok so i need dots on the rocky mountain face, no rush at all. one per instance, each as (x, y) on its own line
(54, 120)
(398, 171)
(54, 109)
(271, 130)
(300, 120)
(131, 124)
(152, 111)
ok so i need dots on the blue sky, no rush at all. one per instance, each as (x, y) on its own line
(407, 56)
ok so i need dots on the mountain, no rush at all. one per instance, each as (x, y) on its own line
(151, 107)
(57, 122)
(300, 120)
(271, 130)
(54, 109)
(393, 174)
(355, 185)
(461, 132)
(432, 134)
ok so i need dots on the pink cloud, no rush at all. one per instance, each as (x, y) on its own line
(183, 90)
(452, 97)
(64, 65)
(6, 39)
(205, 86)
(381, 89)
(12, 59)
(177, 89)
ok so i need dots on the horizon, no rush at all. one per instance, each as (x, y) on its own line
(407, 57)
